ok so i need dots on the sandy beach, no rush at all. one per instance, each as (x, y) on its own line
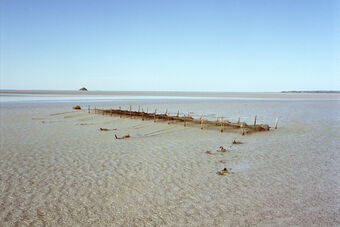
(58, 169)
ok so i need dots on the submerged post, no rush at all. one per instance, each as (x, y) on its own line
(276, 122)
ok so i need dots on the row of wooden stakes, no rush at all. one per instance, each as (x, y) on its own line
(220, 122)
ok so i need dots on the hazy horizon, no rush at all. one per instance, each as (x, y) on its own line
(192, 91)
(193, 46)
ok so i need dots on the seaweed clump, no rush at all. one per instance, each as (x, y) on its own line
(77, 107)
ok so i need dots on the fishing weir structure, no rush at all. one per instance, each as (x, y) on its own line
(185, 119)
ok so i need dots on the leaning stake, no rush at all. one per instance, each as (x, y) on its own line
(276, 122)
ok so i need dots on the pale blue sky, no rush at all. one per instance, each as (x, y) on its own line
(229, 45)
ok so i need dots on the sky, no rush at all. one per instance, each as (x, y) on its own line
(174, 45)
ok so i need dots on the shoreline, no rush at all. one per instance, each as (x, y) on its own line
(174, 93)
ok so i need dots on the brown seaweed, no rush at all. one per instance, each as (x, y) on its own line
(123, 137)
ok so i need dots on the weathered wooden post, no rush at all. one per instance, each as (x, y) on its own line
(177, 113)
(184, 118)
(154, 116)
(138, 108)
(222, 126)
(238, 120)
(142, 114)
(217, 119)
(276, 122)
(255, 121)
(166, 112)
(88, 108)
(201, 122)
(120, 112)
(130, 112)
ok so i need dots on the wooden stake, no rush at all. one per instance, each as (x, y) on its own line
(221, 124)
(185, 124)
(201, 122)
(238, 121)
(166, 112)
(276, 122)
(154, 116)
(130, 112)
(142, 114)
(89, 108)
(120, 114)
(138, 108)
(255, 121)
(178, 113)
(217, 119)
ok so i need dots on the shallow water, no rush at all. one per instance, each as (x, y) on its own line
(56, 168)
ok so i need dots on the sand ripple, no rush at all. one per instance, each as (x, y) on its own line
(67, 174)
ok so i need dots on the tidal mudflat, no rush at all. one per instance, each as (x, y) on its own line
(58, 168)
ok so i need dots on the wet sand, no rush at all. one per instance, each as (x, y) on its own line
(57, 168)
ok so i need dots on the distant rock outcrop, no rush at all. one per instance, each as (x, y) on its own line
(83, 89)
